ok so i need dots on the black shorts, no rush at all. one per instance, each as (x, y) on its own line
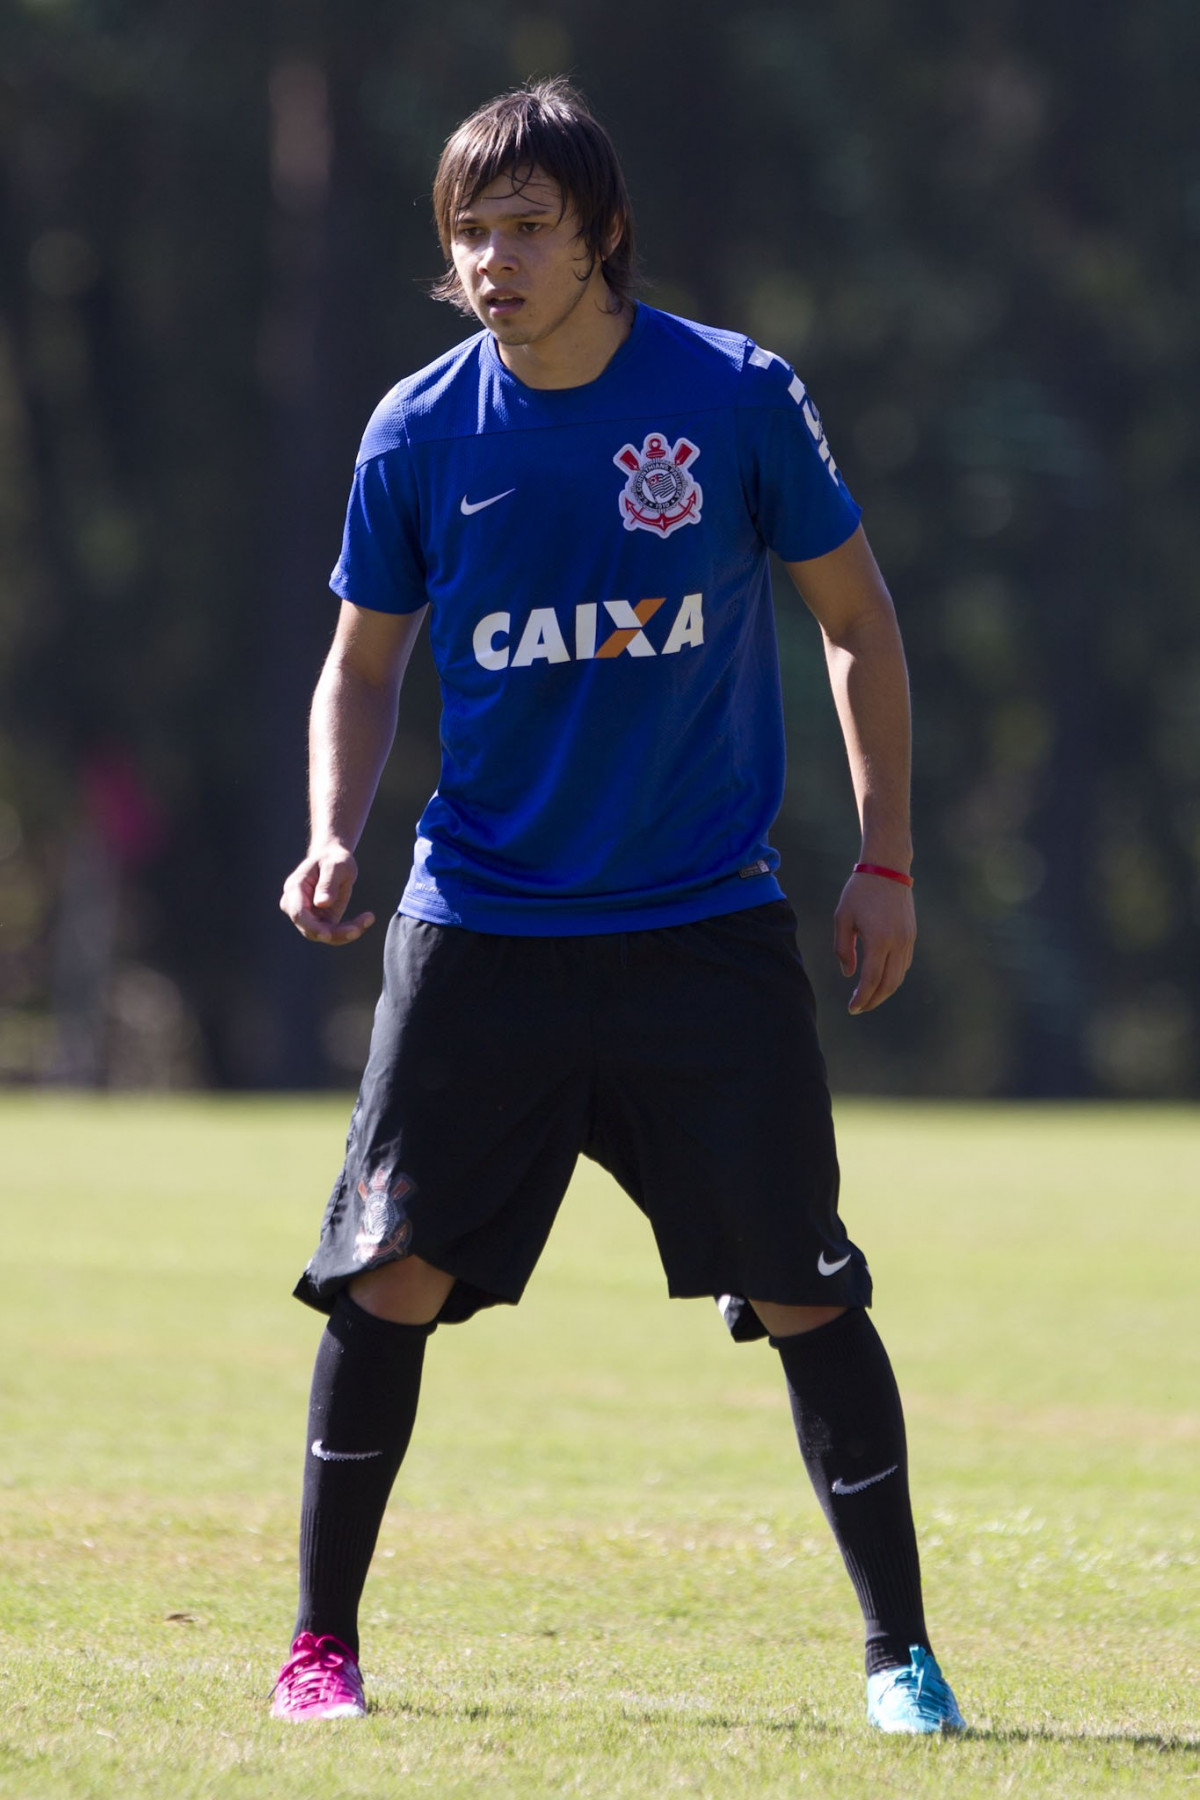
(684, 1060)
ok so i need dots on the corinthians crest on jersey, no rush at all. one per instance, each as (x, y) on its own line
(659, 494)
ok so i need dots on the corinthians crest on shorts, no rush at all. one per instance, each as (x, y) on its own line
(659, 495)
(384, 1228)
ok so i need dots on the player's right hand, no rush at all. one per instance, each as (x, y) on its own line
(317, 893)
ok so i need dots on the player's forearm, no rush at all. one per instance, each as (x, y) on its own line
(351, 728)
(869, 678)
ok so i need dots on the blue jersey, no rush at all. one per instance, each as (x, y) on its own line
(595, 564)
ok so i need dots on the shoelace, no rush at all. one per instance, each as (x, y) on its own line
(922, 1670)
(936, 1698)
(918, 1680)
(315, 1674)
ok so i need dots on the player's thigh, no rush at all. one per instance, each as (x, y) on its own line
(715, 1114)
(714, 1046)
(468, 1122)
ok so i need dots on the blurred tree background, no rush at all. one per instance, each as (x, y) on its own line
(976, 231)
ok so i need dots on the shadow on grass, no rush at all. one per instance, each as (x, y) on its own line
(478, 1712)
(513, 1712)
(1044, 1734)
(510, 1712)
(809, 1727)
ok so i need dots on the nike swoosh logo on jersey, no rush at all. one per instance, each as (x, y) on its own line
(467, 507)
(319, 1450)
(831, 1268)
(856, 1487)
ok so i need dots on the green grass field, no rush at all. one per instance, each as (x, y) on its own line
(602, 1573)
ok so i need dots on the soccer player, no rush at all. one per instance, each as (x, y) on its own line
(593, 952)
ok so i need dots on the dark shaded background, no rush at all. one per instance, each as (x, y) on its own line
(975, 229)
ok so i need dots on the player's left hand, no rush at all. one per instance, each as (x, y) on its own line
(877, 913)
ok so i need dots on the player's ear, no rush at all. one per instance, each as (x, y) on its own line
(616, 231)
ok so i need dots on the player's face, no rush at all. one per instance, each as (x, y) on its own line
(523, 267)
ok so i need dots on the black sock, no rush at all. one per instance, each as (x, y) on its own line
(360, 1417)
(850, 1426)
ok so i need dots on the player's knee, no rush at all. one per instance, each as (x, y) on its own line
(408, 1292)
(793, 1321)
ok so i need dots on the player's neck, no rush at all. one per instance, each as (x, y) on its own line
(576, 351)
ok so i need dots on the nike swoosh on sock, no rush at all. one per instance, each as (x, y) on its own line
(319, 1450)
(856, 1487)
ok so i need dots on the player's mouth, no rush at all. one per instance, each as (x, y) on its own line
(502, 305)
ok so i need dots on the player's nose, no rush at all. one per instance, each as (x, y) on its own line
(497, 253)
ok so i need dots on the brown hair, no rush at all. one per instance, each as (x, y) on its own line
(546, 125)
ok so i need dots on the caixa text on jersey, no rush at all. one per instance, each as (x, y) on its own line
(597, 630)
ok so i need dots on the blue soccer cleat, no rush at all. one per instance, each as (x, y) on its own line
(916, 1699)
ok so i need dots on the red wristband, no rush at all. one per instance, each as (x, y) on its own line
(878, 869)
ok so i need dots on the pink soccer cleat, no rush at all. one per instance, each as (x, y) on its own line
(320, 1680)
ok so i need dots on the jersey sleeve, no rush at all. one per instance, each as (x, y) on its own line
(381, 566)
(795, 490)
